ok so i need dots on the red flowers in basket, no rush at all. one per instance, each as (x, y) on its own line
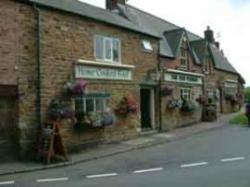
(127, 105)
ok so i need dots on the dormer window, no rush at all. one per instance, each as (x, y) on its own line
(207, 67)
(147, 46)
(184, 54)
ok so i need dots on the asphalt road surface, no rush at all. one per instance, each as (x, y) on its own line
(217, 158)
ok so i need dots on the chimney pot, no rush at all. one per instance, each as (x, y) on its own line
(113, 4)
(209, 35)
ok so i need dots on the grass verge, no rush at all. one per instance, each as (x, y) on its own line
(239, 119)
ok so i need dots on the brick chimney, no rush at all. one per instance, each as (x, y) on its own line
(112, 4)
(209, 35)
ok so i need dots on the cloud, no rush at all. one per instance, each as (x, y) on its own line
(230, 18)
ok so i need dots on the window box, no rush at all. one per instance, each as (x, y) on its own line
(92, 111)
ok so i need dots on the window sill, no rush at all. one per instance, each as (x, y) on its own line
(105, 64)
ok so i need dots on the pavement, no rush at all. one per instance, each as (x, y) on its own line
(110, 149)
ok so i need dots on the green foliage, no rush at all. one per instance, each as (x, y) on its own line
(240, 119)
(247, 94)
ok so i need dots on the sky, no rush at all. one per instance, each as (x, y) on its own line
(230, 20)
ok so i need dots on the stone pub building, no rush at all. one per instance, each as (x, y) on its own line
(126, 57)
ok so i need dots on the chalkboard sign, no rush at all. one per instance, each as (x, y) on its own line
(51, 143)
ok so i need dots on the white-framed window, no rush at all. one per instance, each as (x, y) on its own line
(184, 54)
(185, 93)
(91, 103)
(107, 49)
(147, 46)
(207, 67)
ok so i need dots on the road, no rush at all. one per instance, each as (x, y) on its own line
(217, 158)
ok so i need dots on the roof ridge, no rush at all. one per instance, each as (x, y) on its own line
(200, 40)
(175, 30)
(162, 19)
(150, 14)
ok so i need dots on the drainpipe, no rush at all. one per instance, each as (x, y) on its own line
(159, 87)
(38, 62)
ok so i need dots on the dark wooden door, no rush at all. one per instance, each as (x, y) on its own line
(145, 109)
(9, 133)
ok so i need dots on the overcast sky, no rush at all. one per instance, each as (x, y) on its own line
(230, 20)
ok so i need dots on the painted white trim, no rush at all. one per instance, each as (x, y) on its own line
(106, 64)
(168, 77)
(152, 98)
(184, 72)
(231, 80)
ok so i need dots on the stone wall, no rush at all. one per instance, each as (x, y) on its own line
(66, 39)
(222, 76)
(17, 63)
(173, 118)
(8, 42)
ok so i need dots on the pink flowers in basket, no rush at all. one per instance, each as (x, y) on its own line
(76, 88)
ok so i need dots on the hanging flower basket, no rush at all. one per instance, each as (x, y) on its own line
(127, 105)
(76, 88)
(59, 110)
(232, 98)
(202, 100)
(175, 103)
(188, 106)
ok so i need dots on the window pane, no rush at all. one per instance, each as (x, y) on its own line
(174, 77)
(192, 79)
(183, 52)
(147, 45)
(89, 105)
(185, 93)
(116, 50)
(183, 62)
(108, 49)
(182, 77)
(99, 105)
(99, 47)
